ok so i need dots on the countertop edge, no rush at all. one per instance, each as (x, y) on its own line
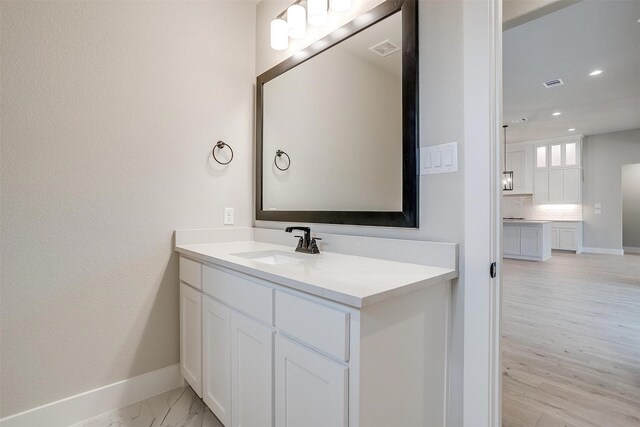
(335, 296)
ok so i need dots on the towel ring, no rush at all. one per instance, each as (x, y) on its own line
(220, 145)
(279, 154)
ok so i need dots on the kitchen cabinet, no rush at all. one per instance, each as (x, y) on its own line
(563, 186)
(567, 235)
(519, 160)
(558, 153)
(274, 356)
(529, 240)
(557, 172)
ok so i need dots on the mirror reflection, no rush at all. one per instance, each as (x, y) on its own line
(332, 127)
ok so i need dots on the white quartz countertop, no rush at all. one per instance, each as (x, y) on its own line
(526, 221)
(348, 279)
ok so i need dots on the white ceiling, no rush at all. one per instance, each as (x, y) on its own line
(568, 44)
(390, 29)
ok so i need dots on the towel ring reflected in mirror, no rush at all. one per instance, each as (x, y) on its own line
(279, 154)
(220, 145)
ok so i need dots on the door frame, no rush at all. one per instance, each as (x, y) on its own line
(482, 40)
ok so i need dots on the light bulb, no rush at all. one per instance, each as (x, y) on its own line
(340, 5)
(297, 20)
(279, 36)
(316, 12)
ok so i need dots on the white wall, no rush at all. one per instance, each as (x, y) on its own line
(109, 110)
(441, 120)
(603, 157)
(631, 206)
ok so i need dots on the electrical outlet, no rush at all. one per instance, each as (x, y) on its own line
(228, 216)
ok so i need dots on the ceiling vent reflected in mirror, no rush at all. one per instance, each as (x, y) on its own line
(553, 83)
(385, 48)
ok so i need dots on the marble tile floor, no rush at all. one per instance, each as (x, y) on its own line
(180, 407)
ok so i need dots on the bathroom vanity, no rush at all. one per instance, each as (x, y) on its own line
(272, 337)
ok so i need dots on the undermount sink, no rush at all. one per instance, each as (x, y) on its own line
(273, 257)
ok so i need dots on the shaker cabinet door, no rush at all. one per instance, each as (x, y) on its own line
(311, 389)
(217, 359)
(191, 337)
(251, 372)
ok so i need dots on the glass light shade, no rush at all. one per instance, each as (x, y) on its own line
(317, 12)
(279, 34)
(297, 20)
(507, 180)
(340, 5)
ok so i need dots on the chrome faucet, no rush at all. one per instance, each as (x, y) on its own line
(306, 244)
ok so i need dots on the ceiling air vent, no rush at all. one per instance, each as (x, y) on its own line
(384, 48)
(553, 83)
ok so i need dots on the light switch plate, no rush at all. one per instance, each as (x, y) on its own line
(441, 158)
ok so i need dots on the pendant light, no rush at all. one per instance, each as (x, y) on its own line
(507, 176)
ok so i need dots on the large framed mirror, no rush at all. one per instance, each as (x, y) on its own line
(337, 126)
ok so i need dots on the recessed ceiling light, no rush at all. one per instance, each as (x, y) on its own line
(571, 130)
(595, 72)
(557, 113)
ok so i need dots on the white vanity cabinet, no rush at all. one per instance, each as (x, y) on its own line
(191, 323)
(274, 356)
(311, 389)
(191, 336)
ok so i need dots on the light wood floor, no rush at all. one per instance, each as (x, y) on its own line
(571, 341)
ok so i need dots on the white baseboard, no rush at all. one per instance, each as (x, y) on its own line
(631, 250)
(603, 251)
(92, 403)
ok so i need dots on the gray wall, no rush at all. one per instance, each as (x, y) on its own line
(441, 121)
(631, 206)
(109, 111)
(603, 158)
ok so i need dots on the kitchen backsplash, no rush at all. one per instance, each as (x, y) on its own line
(523, 207)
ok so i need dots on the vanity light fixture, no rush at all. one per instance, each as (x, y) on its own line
(295, 25)
(317, 12)
(340, 5)
(507, 176)
(279, 34)
(297, 21)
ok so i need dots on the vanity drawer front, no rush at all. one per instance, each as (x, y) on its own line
(191, 272)
(242, 293)
(323, 327)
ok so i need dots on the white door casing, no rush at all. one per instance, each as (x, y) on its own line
(482, 39)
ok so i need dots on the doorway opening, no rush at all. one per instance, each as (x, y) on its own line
(571, 269)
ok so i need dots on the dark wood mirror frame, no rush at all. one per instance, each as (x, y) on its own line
(408, 217)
